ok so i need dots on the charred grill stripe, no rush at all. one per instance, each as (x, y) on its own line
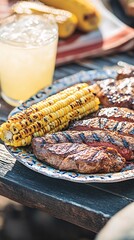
(125, 143)
(115, 126)
(55, 137)
(96, 137)
(93, 156)
(43, 142)
(68, 137)
(121, 127)
(129, 115)
(83, 138)
(99, 122)
(110, 139)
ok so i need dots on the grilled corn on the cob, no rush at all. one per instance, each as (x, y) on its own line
(50, 115)
(87, 14)
(66, 20)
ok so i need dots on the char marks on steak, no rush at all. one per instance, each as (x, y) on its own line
(116, 113)
(102, 143)
(79, 157)
(125, 128)
(123, 144)
(115, 93)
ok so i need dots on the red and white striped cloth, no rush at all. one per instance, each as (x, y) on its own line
(112, 36)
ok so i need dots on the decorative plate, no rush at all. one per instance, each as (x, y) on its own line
(26, 157)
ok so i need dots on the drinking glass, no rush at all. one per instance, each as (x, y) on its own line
(28, 46)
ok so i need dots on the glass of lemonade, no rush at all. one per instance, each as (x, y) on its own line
(28, 45)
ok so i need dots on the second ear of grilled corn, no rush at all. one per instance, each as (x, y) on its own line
(67, 21)
(50, 115)
(87, 14)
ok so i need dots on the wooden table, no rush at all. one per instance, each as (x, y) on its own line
(86, 205)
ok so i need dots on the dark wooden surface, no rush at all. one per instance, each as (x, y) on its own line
(86, 205)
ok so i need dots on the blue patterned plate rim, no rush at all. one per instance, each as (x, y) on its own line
(27, 158)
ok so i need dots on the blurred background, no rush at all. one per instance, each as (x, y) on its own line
(18, 222)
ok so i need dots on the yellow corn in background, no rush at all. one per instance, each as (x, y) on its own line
(67, 21)
(50, 115)
(87, 14)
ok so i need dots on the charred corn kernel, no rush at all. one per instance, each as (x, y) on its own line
(66, 20)
(87, 14)
(43, 109)
(57, 112)
(35, 109)
(52, 114)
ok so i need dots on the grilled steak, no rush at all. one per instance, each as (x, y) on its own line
(120, 94)
(79, 157)
(125, 128)
(116, 113)
(123, 144)
(125, 72)
(115, 93)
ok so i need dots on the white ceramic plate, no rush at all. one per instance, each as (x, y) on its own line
(26, 157)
